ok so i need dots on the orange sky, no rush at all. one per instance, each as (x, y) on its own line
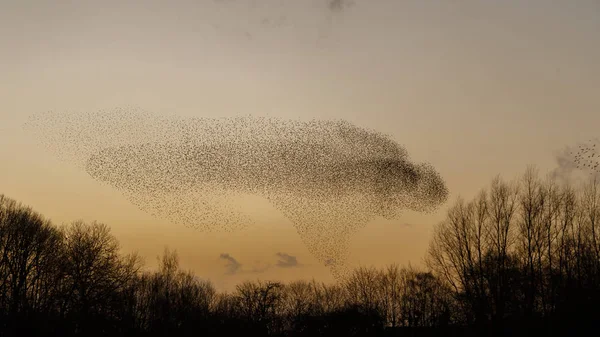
(474, 87)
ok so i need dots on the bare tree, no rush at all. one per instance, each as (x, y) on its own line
(456, 253)
(96, 276)
(531, 234)
(170, 300)
(391, 283)
(363, 288)
(298, 298)
(260, 303)
(30, 253)
(590, 203)
(425, 300)
(471, 247)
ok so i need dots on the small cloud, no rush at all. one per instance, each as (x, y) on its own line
(233, 266)
(287, 261)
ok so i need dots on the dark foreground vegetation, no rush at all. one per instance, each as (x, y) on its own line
(522, 258)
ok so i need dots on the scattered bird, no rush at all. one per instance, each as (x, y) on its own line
(587, 157)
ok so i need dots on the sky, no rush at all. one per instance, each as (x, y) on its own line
(476, 88)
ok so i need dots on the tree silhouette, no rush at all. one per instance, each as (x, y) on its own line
(520, 257)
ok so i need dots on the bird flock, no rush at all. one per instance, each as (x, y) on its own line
(328, 177)
(587, 156)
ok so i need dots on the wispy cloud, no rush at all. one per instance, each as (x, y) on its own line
(287, 261)
(233, 266)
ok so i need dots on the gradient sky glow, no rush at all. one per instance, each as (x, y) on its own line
(476, 88)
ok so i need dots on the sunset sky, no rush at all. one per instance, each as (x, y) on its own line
(476, 88)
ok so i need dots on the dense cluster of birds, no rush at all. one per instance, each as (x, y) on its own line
(329, 178)
(587, 156)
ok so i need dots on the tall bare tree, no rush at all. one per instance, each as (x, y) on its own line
(96, 275)
(30, 260)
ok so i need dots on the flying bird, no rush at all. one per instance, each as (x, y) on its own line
(587, 157)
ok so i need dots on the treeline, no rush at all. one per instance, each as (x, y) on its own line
(522, 257)
(523, 253)
(73, 281)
